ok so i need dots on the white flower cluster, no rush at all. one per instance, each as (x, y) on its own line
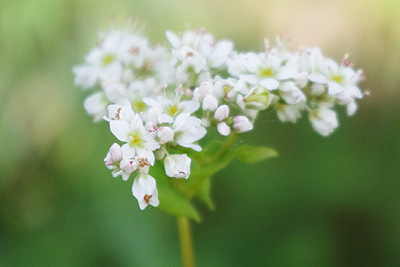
(158, 98)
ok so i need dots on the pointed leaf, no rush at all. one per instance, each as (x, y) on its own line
(171, 201)
(174, 203)
(204, 193)
(250, 154)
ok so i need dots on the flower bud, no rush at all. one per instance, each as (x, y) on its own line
(166, 134)
(223, 129)
(242, 124)
(177, 166)
(114, 155)
(221, 113)
(205, 88)
(210, 103)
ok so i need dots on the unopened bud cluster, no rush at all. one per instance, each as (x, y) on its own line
(160, 98)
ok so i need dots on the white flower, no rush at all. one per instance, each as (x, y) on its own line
(177, 166)
(96, 105)
(188, 130)
(120, 112)
(223, 129)
(267, 71)
(220, 54)
(291, 93)
(242, 124)
(167, 110)
(203, 90)
(289, 112)
(102, 60)
(127, 166)
(221, 113)
(138, 141)
(145, 191)
(323, 120)
(119, 166)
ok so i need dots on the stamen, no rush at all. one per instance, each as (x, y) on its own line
(147, 198)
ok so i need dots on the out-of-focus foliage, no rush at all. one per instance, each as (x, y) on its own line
(321, 202)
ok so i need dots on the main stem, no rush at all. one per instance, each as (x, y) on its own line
(186, 241)
(183, 222)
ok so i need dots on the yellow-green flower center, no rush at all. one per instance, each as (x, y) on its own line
(135, 139)
(226, 88)
(138, 106)
(173, 110)
(266, 73)
(108, 59)
(337, 78)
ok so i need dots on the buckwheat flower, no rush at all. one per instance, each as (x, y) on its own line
(221, 113)
(267, 70)
(340, 77)
(223, 129)
(177, 166)
(167, 109)
(312, 62)
(127, 166)
(119, 166)
(206, 88)
(120, 112)
(102, 60)
(291, 93)
(242, 124)
(114, 155)
(96, 105)
(323, 120)
(289, 112)
(187, 130)
(210, 103)
(220, 54)
(138, 141)
(258, 98)
(228, 89)
(348, 96)
(145, 191)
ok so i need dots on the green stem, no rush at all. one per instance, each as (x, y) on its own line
(226, 146)
(198, 180)
(186, 241)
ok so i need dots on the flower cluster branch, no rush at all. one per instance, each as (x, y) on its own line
(160, 100)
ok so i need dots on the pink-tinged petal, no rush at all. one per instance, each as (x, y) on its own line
(223, 129)
(120, 129)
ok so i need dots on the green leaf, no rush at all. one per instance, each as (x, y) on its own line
(204, 193)
(213, 166)
(171, 201)
(174, 203)
(250, 154)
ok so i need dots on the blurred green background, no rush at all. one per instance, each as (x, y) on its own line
(322, 202)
